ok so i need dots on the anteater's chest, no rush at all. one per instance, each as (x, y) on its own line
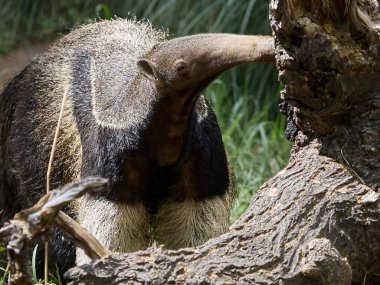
(140, 180)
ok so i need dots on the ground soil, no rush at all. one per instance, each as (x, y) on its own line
(16, 60)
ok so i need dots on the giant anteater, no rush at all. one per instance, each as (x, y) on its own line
(134, 114)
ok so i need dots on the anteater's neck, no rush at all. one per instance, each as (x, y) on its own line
(167, 131)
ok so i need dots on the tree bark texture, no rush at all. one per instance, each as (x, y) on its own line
(318, 220)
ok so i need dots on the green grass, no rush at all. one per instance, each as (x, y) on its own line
(4, 271)
(245, 99)
(253, 138)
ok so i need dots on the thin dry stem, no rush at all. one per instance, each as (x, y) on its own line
(48, 174)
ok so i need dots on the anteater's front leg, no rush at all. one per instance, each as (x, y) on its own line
(120, 227)
(120, 219)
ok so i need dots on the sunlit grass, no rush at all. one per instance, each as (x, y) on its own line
(4, 270)
(255, 143)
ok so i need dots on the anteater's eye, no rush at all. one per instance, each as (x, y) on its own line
(180, 65)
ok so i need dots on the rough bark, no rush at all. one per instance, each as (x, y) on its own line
(318, 220)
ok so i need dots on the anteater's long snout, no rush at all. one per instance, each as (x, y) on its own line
(192, 62)
(223, 51)
(241, 49)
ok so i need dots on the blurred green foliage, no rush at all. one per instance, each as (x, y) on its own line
(245, 99)
(41, 20)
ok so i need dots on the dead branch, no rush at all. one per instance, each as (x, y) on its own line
(30, 227)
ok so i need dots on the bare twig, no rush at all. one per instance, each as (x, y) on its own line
(47, 208)
(80, 236)
(49, 173)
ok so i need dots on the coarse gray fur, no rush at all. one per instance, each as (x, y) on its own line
(134, 114)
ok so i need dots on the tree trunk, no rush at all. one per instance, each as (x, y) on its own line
(318, 220)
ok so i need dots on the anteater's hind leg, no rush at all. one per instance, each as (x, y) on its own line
(197, 207)
(191, 223)
(120, 227)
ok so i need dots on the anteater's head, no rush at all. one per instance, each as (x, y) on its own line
(185, 66)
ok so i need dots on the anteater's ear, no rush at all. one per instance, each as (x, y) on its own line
(147, 68)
